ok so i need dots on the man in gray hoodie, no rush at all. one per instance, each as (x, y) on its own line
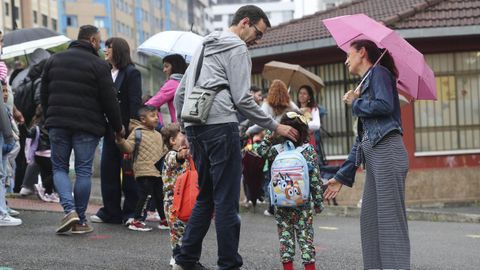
(216, 144)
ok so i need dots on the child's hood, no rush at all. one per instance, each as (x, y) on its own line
(134, 124)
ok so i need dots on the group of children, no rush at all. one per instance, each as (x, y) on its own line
(39, 147)
(147, 146)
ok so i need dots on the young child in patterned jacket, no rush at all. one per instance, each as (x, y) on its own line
(296, 222)
(176, 163)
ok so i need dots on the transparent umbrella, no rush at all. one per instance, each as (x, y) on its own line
(172, 42)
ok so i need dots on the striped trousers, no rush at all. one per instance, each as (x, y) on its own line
(383, 221)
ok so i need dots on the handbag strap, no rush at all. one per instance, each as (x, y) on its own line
(191, 164)
(217, 88)
(199, 65)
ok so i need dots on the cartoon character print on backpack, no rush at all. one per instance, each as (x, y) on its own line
(290, 185)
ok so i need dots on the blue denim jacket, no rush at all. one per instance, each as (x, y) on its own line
(378, 109)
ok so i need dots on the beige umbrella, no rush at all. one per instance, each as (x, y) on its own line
(292, 75)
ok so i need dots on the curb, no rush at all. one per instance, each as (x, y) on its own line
(412, 214)
(436, 215)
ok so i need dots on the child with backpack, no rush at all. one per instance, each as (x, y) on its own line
(295, 189)
(42, 155)
(146, 145)
(177, 161)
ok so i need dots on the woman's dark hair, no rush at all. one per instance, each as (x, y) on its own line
(253, 13)
(311, 103)
(178, 63)
(120, 52)
(374, 53)
(297, 124)
(38, 118)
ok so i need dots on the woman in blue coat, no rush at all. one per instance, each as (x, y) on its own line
(379, 146)
(128, 84)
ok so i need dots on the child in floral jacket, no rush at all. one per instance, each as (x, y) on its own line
(296, 222)
(176, 163)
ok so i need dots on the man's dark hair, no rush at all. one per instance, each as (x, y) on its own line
(254, 13)
(178, 63)
(121, 52)
(146, 109)
(86, 32)
(255, 89)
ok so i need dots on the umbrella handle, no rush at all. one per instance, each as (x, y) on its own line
(364, 77)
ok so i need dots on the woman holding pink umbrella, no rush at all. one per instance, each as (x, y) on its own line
(379, 146)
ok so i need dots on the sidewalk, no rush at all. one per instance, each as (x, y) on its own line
(441, 212)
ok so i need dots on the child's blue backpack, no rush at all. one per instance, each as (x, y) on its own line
(290, 181)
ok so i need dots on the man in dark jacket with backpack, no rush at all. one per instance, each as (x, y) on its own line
(76, 94)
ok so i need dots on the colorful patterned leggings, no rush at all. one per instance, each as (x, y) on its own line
(295, 223)
(177, 227)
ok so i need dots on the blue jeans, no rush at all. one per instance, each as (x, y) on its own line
(112, 186)
(62, 142)
(216, 153)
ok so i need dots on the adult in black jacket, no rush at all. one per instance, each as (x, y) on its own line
(76, 94)
(128, 83)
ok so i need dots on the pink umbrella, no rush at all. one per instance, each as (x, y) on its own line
(416, 78)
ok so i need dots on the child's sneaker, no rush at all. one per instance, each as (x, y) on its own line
(52, 197)
(152, 216)
(172, 261)
(129, 221)
(163, 225)
(40, 192)
(137, 225)
(7, 220)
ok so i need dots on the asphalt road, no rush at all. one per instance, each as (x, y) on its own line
(34, 245)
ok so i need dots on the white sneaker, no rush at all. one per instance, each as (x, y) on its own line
(7, 220)
(26, 191)
(40, 190)
(95, 219)
(12, 213)
(129, 221)
(266, 213)
(153, 216)
(359, 204)
(172, 261)
(45, 197)
(53, 197)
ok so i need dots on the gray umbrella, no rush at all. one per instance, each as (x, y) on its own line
(36, 57)
(25, 41)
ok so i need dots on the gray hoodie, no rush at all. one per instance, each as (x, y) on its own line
(226, 62)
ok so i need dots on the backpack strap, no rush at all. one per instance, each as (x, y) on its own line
(138, 139)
